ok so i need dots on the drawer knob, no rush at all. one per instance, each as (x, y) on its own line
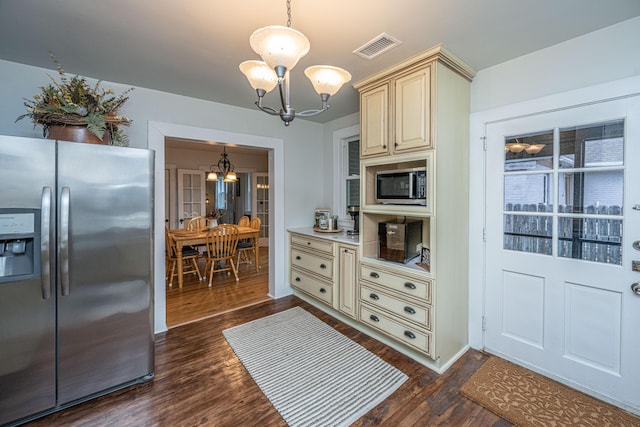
(409, 285)
(374, 275)
(409, 310)
(410, 334)
(323, 266)
(297, 279)
(298, 257)
(308, 243)
(374, 318)
(323, 290)
(374, 297)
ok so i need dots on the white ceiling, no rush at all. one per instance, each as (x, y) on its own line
(193, 47)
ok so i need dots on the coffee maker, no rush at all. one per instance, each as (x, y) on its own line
(354, 211)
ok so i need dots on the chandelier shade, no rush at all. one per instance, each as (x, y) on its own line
(279, 46)
(327, 79)
(280, 49)
(259, 74)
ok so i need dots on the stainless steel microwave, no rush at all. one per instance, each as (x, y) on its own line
(402, 186)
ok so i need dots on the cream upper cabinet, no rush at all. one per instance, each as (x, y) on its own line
(412, 129)
(374, 119)
(405, 121)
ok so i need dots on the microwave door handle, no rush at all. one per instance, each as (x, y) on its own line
(412, 185)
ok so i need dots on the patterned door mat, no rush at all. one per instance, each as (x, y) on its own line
(529, 399)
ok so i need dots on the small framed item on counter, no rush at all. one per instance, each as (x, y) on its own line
(322, 216)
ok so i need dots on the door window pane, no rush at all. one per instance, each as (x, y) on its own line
(525, 192)
(528, 233)
(592, 145)
(532, 151)
(597, 192)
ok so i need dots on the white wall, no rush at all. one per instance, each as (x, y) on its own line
(303, 153)
(599, 65)
(598, 57)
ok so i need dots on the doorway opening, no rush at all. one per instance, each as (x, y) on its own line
(158, 132)
(192, 193)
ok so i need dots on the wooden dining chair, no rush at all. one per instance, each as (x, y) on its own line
(221, 245)
(247, 247)
(189, 259)
(243, 221)
(198, 223)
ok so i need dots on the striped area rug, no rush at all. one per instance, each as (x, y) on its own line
(312, 374)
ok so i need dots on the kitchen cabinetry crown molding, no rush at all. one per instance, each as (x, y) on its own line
(437, 53)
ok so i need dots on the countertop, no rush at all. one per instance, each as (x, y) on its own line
(340, 237)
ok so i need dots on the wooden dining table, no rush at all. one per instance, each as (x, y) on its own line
(192, 238)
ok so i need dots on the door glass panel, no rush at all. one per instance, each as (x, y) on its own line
(594, 192)
(528, 233)
(592, 145)
(529, 152)
(589, 169)
(524, 192)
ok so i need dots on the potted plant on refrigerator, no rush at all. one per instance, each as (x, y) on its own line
(72, 110)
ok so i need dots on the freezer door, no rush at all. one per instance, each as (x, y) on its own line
(105, 316)
(27, 297)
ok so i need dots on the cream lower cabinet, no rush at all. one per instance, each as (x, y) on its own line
(326, 271)
(399, 305)
(348, 280)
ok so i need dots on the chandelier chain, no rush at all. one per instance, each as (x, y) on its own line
(289, 13)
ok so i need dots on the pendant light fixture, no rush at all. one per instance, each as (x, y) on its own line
(225, 169)
(280, 49)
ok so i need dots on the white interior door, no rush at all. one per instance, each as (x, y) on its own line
(562, 212)
(191, 195)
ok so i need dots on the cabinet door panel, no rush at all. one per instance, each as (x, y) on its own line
(374, 119)
(412, 102)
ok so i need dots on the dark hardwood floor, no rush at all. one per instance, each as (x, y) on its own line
(199, 382)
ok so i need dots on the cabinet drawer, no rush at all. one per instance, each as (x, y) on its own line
(312, 262)
(417, 288)
(310, 243)
(409, 335)
(407, 310)
(312, 286)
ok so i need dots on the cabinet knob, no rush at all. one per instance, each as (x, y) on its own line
(409, 334)
(384, 146)
(297, 279)
(322, 266)
(323, 290)
(374, 297)
(374, 318)
(409, 285)
(409, 310)
(395, 144)
(298, 257)
(375, 275)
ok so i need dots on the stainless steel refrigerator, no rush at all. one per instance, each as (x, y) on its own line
(76, 284)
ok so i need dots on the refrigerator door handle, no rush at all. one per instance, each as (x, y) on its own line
(64, 240)
(45, 242)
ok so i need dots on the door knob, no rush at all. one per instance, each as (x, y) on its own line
(635, 287)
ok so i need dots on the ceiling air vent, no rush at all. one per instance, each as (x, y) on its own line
(377, 46)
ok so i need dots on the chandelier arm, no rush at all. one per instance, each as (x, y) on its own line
(309, 113)
(325, 106)
(267, 110)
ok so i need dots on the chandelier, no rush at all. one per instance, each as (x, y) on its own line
(518, 147)
(225, 168)
(280, 49)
